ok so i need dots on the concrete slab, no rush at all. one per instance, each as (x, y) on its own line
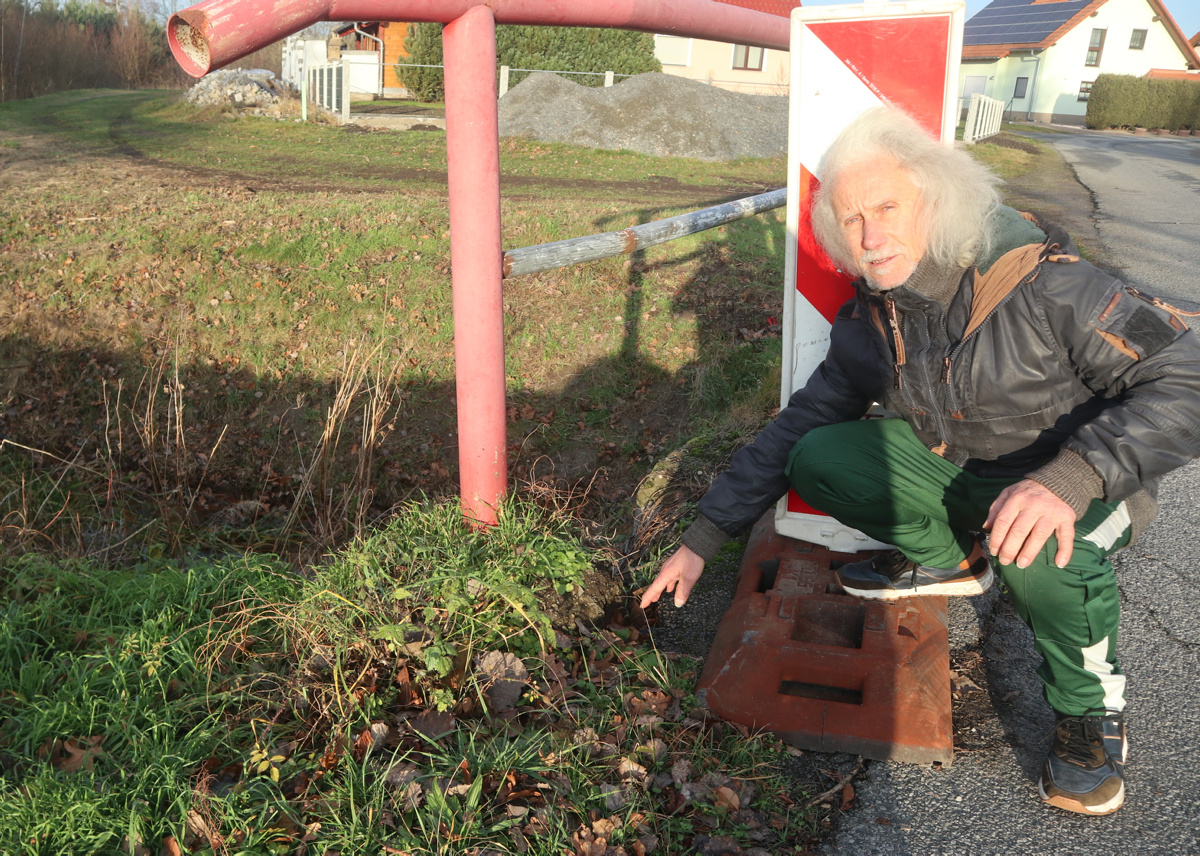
(397, 123)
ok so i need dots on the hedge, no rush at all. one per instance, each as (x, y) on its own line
(1124, 101)
(575, 49)
(544, 48)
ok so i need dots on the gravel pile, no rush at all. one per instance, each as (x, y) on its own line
(255, 91)
(655, 114)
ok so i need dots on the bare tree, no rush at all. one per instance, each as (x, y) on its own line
(131, 48)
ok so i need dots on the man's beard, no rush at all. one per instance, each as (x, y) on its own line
(864, 263)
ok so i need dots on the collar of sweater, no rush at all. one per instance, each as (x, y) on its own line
(934, 281)
(929, 280)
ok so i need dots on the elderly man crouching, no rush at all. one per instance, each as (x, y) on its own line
(1037, 399)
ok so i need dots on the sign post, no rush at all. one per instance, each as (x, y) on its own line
(824, 670)
(846, 60)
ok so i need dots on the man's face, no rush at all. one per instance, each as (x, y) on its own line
(878, 206)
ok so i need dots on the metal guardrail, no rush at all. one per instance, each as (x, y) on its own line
(608, 244)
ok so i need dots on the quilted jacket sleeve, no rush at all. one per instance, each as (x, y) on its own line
(1141, 357)
(839, 390)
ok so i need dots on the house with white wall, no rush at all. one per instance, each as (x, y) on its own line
(740, 68)
(1040, 57)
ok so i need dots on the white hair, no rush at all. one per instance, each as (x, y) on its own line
(957, 193)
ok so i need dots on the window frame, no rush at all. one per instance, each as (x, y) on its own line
(1133, 38)
(674, 40)
(1097, 49)
(1021, 89)
(1085, 90)
(747, 49)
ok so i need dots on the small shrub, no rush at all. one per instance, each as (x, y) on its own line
(424, 47)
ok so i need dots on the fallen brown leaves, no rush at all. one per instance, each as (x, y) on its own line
(74, 754)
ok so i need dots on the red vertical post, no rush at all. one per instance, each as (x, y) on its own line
(473, 160)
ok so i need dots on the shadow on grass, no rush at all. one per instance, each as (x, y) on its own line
(123, 435)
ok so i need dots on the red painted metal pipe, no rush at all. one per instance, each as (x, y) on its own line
(214, 33)
(473, 165)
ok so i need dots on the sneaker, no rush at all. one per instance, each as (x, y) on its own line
(1084, 771)
(892, 575)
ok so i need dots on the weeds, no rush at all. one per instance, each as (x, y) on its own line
(413, 694)
(338, 509)
(419, 687)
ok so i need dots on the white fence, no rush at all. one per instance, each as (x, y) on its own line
(300, 54)
(983, 118)
(329, 86)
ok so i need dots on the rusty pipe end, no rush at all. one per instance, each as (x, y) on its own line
(186, 36)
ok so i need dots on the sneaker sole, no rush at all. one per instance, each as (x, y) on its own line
(1064, 802)
(957, 588)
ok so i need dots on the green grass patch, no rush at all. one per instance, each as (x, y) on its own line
(1006, 161)
(107, 707)
(190, 288)
(413, 695)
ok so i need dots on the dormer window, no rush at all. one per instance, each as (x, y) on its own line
(1095, 47)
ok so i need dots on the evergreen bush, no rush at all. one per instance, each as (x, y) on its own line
(575, 49)
(543, 48)
(424, 47)
(1125, 101)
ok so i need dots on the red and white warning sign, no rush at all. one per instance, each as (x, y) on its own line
(844, 61)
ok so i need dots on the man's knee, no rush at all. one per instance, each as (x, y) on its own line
(820, 451)
(844, 446)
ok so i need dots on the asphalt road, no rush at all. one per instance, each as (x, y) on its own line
(1145, 198)
(1147, 204)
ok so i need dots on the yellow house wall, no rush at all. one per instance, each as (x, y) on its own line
(712, 63)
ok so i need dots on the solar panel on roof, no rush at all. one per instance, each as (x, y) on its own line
(1018, 21)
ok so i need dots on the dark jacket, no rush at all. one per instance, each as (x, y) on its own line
(1041, 366)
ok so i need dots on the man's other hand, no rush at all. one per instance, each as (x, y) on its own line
(1023, 517)
(678, 574)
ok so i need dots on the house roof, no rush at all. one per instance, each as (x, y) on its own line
(783, 8)
(1171, 74)
(1007, 25)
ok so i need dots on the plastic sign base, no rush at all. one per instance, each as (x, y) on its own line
(827, 671)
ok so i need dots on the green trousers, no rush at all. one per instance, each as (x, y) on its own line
(876, 476)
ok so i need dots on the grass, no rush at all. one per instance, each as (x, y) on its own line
(210, 354)
(247, 259)
(411, 696)
(242, 614)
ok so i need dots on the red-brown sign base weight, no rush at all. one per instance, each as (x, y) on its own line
(824, 670)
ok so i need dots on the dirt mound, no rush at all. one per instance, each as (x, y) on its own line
(654, 114)
(1010, 141)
